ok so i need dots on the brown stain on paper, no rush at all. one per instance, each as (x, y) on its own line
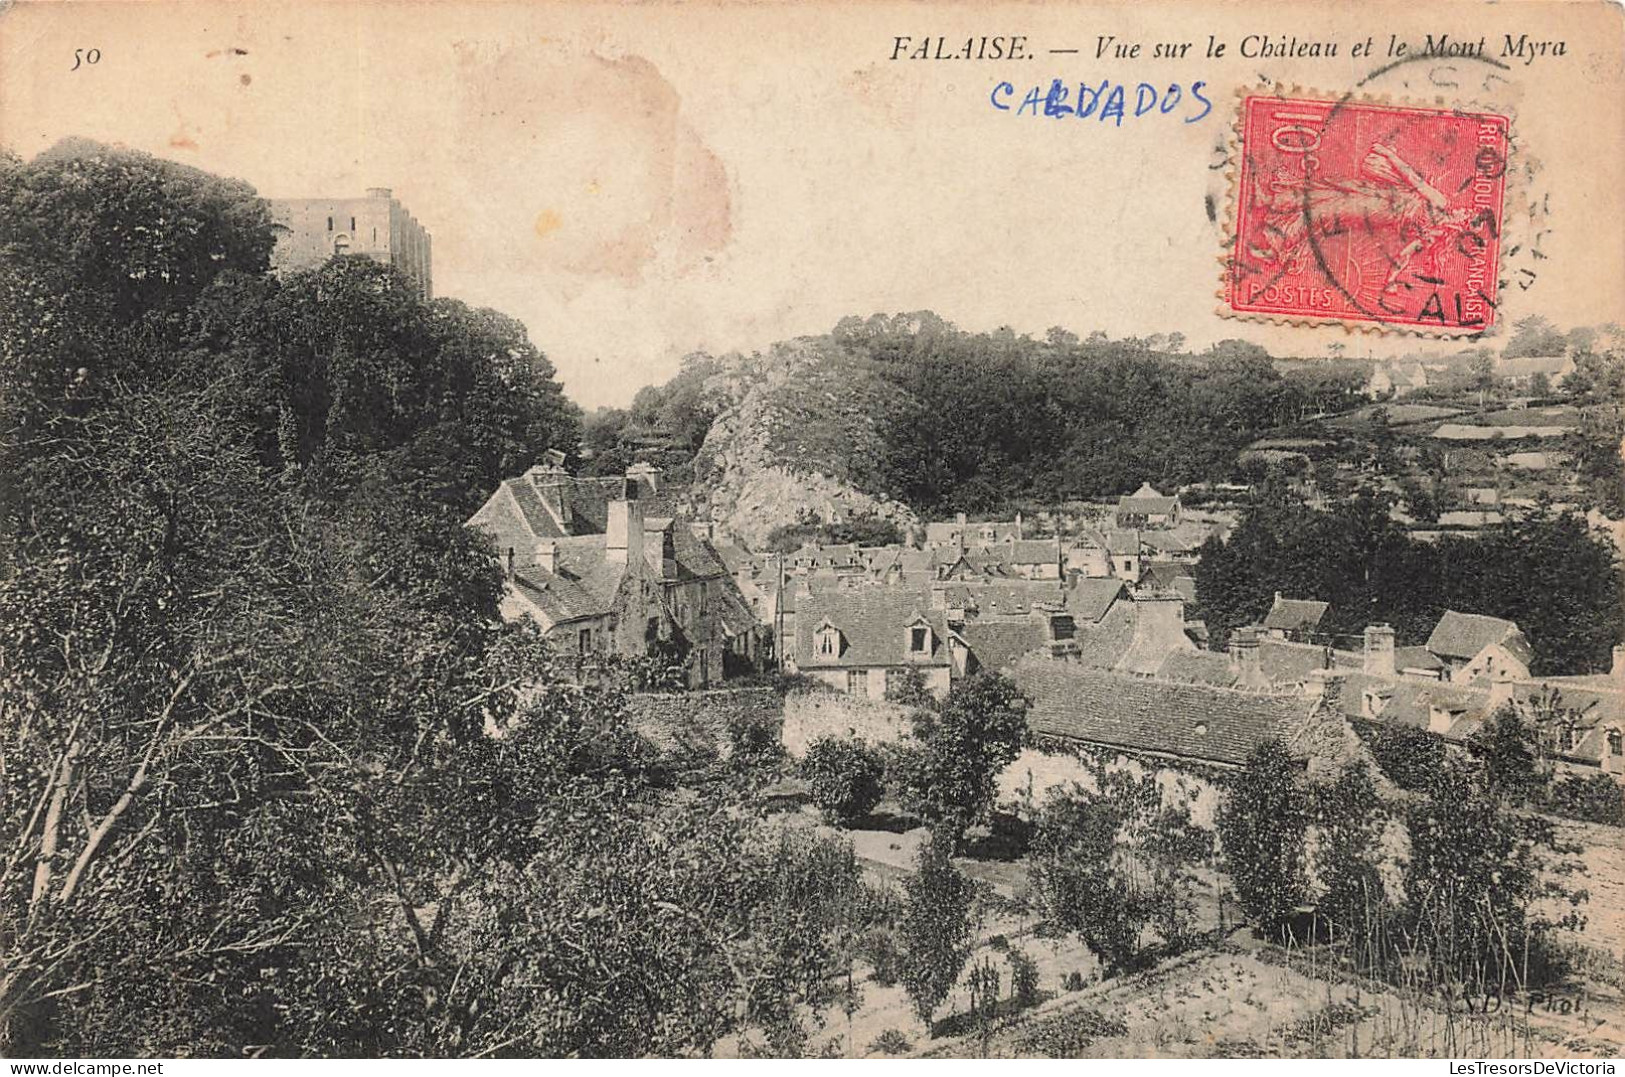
(613, 154)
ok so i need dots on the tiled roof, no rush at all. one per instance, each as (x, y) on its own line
(1105, 643)
(1121, 540)
(873, 622)
(1199, 667)
(1293, 614)
(1140, 714)
(1286, 663)
(1410, 700)
(1463, 635)
(1034, 552)
(1089, 599)
(562, 596)
(1146, 501)
(1010, 598)
(996, 644)
(1416, 658)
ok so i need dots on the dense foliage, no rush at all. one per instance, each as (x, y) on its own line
(935, 934)
(845, 778)
(911, 407)
(1262, 824)
(1106, 864)
(1548, 573)
(273, 777)
(976, 730)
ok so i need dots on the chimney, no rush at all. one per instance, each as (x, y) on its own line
(1618, 669)
(1500, 691)
(939, 596)
(547, 556)
(1018, 525)
(643, 474)
(623, 536)
(959, 518)
(1315, 686)
(1379, 650)
(1244, 653)
(379, 192)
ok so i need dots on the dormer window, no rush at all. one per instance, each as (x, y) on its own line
(1616, 742)
(828, 641)
(919, 639)
(1372, 703)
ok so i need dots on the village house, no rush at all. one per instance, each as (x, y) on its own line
(1474, 647)
(600, 577)
(1580, 720)
(1395, 379)
(1293, 618)
(1146, 508)
(865, 640)
(1522, 373)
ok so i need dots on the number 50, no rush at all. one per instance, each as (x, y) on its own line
(85, 56)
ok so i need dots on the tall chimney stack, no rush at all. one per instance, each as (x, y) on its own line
(623, 535)
(1379, 650)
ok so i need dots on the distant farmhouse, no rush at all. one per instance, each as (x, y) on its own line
(1146, 507)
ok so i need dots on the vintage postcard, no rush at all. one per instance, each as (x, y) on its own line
(812, 530)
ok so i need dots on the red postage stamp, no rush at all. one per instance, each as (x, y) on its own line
(1357, 212)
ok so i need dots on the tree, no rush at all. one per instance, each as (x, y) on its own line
(975, 733)
(845, 777)
(1533, 335)
(1107, 864)
(1408, 755)
(1081, 877)
(1472, 881)
(1349, 818)
(935, 933)
(1262, 821)
(1506, 748)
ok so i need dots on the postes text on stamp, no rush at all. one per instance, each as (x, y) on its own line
(1351, 211)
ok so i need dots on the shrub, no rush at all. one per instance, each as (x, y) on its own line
(845, 776)
(1593, 798)
(1408, 755)
(891, 1042)
(879, 948)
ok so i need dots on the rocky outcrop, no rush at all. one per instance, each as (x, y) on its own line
(796, 443)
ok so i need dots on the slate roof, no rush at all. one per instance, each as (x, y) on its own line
(1139, 714)
(997, 644)
(1295, 614)
(873, 622)
(1105, 643)
(1463, 635)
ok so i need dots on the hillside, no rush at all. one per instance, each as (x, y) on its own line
(906, 415)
